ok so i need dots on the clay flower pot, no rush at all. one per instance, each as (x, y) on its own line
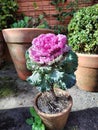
(2, 57)
(54, 121)
(87, 72)
(18, 41)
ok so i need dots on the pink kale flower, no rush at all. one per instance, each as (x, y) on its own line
(46, 47)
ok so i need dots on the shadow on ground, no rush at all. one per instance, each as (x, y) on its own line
(83, 120)
(15, 119)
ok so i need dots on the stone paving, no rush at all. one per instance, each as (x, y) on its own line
(14, 109)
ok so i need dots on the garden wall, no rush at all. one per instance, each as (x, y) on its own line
(28, 8)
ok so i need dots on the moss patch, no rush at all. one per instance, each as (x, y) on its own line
(7, 87)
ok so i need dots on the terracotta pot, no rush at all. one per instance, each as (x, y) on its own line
(54, 121)
(1, 50)
(18, 41)
(87, 72)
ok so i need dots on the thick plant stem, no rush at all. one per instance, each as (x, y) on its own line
(53, 93)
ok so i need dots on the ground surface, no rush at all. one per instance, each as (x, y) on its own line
(14, 110)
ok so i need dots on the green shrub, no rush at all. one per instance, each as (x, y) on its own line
(8, 10)
(83, 30)
(31, 22)
(22, 23)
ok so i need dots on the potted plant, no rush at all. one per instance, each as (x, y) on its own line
(53, 64)
(7, 17)
(18, 39)
(83, 38)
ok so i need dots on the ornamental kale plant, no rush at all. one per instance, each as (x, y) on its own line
(52, 62)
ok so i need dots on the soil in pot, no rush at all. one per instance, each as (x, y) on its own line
(54, 113)
(47, 103)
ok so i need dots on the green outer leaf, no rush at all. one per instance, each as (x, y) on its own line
(69, 80)
(33, 112)
(29, 121)
(44, 86)
(57, 73)
(31, 65)
(42, 127)
(70, 63)
(35, 120)
(35, 79)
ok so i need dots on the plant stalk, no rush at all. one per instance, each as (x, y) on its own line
(53, 93)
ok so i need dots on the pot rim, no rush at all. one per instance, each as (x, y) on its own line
(23, 35)
(88, 60)
(87, 55)
(24, 29)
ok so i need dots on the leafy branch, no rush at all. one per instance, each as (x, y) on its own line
(35, 120)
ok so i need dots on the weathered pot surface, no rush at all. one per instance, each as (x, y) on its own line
(18, 41)
(22, 33)
(87, 72)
